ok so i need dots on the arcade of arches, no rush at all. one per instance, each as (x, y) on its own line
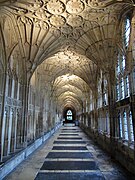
(60, 55)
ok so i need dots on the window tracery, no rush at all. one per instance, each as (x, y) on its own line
(69, 115)
(123, 87)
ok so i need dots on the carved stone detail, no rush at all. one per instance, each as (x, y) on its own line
(75, 21)
(42, 14)
(57, 20)
(95, 3)
(41, 24)
(75, 6)
(55, 7)
(66, 29)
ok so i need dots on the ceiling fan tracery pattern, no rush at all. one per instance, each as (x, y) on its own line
(66, 38)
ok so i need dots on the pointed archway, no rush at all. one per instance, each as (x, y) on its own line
(69, 115)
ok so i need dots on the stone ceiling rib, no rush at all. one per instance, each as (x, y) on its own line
(65, 42)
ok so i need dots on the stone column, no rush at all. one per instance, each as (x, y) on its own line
(3, 114)
(19, 118)
(16, 118)
(25, 113)
(112, 109)
(95, 112)
(15, 133)
(111, 103)
(11, 119)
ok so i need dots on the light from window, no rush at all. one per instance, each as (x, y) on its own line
(123, 63)
(125, 125)
(127, 31)
(120, 123)
(118, 67)
(105, 99)
(131, 126)
(127, 86)
(122, 88)
(69, 112)
(69, 115)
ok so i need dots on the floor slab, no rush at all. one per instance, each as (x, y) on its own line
(81, 155)
(69, 148)
(69, 142)
(69, 176)
(69, 159)
(72, 165)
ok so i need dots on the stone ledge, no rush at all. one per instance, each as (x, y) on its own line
(12, 163)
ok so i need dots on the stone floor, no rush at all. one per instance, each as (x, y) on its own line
(69, 155)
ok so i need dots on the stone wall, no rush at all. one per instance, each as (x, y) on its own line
(117, 149)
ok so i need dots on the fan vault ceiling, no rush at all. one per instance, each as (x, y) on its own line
(66, 41)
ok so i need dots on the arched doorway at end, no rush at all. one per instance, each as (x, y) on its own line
(69, 115)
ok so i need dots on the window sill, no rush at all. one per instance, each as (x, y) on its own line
(126, 143)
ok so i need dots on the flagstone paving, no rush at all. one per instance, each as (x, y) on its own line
(69, 155)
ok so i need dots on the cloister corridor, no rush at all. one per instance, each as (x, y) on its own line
(70, 154)
(67, 62)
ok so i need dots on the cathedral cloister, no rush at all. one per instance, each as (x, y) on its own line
(67, 62)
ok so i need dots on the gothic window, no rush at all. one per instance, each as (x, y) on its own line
(91, 102)
(69, 115)
(105, 91)
(122, 80)
(105, 99)
(122, 85)
(99, 94)
(120, 124)
(127, 28)
(127, 86)
(123, 63)
(117, 92)
(125, 125)
(122, 88)
(131, 127)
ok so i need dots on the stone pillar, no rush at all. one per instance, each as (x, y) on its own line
(19, 118)
(25, 113)
(16, 118)
(10, 129)
(112, 109)
(3, 114)
(111, 102)
(95, 112)
(11, 119)
(15, 133)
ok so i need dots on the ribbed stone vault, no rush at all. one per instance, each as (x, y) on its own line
(65, 42)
